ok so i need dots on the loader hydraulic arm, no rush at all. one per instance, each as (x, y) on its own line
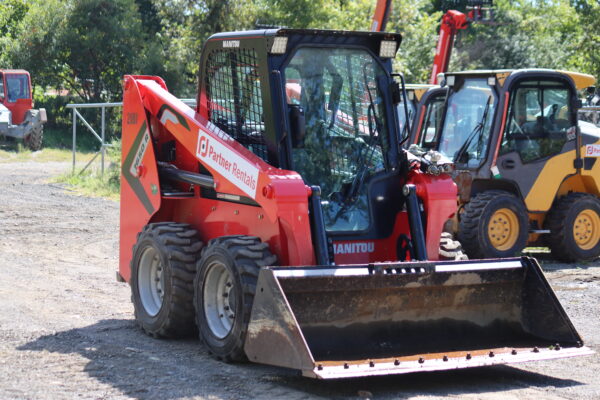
(234, 170)
(452, 22)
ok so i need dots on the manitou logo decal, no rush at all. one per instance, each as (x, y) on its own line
(592, 150)
(353, 248)
(223, 160)
(231, 43)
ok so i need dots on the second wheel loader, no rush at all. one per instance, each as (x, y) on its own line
(282, 220)
(524, 165)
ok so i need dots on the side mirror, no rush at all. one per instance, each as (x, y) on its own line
(577, 104)
(297, 125)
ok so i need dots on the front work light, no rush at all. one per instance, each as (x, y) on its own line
(388, 49)
(279, 45)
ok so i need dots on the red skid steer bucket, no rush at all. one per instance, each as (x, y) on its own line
(349, 321)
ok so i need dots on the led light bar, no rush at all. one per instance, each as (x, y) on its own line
(279, 45)
(388, 49)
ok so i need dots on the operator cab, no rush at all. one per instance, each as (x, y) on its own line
(15, 93)
(332, 118)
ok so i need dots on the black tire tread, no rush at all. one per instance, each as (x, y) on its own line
(557, 240)
(249, 254)
(468, 232)
(183, 249)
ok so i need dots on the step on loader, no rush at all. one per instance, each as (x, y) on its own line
(282, 221)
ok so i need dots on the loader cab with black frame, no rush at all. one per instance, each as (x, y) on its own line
(317, 102)
(516, 145)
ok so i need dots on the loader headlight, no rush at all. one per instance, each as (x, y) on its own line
(387, 49)
(279, 45)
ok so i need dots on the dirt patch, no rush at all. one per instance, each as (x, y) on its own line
(67, 329)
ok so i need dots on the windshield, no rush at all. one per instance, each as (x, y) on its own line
(345, 128)
(18, 87)
(467, 124)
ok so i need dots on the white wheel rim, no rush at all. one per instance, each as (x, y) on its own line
(219, 299)
(151, 281)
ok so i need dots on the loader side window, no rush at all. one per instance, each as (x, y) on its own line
(538, 122)
(1, 87)
(234, 97)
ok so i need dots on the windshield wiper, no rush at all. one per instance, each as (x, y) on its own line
(476, 132)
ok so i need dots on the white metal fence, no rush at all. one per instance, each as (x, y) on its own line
(101, 137)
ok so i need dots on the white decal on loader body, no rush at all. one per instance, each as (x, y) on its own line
(236, 169)
(353, 248)
(592, 150)
(139, 154)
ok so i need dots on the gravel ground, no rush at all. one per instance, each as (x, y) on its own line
(67, 328)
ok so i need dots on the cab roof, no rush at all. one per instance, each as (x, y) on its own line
(307, 32)
(580, 80)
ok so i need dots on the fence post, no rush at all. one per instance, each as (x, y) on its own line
(74, 136)
(103, 144)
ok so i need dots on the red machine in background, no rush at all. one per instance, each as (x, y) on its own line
(17, 118)
(452, 22)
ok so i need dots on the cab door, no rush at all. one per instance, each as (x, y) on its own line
(538, 145)
(18, 95)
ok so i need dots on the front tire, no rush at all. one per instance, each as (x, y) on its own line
(574, 223)
(33, 141)
(162, 277)
(225, 285)
(494, 224)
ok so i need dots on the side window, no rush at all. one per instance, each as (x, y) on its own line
(538, 120)
(234, 97)
(431, 122)
(1, 87)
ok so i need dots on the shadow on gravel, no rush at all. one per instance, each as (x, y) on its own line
(121, 356)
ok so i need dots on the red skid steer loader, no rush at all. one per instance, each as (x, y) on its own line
(283, 222)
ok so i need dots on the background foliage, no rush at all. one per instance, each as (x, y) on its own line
(82, 48)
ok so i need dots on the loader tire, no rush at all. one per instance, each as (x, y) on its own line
(574, 224)
(451, 249)
(162, 279)
(224, 292)
(33, 141)
(494, 224)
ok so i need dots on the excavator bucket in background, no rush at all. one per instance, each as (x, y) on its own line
(394, 318)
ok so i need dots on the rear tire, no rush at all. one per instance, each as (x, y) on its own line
(574, 223)
(494, 224)
(162, 279)
(224, 292)
(33, 141)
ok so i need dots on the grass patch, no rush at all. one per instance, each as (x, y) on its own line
(92, 183)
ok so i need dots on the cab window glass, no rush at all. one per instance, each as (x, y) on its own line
(345, 139)
(538, 120)
(18, 87)
(431, 122)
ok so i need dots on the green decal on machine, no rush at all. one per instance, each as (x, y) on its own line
(154, 188)
(496, 172)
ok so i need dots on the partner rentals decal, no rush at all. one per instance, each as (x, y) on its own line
(226, 162)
